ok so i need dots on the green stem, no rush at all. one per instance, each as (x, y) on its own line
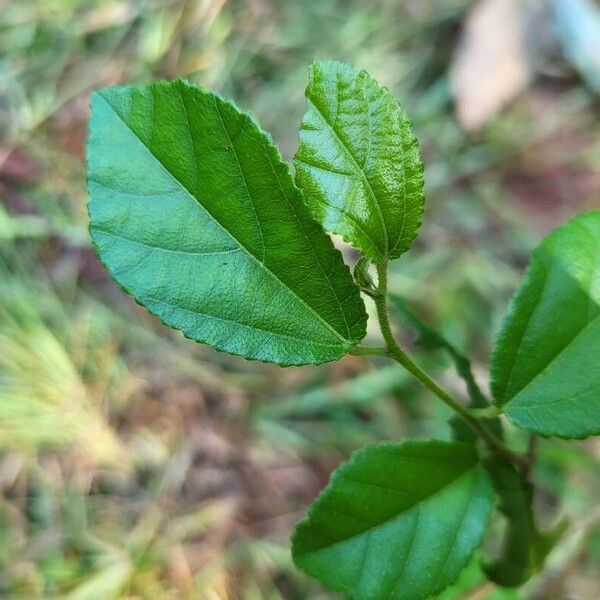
(489, 412)
(393, 350)
(381, 305)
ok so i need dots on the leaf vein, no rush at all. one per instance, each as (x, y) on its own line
(261, 264)
(369, 187)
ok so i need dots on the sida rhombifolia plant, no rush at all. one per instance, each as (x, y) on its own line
(194, 213)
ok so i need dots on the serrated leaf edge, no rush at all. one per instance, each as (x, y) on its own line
(376, 258)
(353, 458)
(274, 150)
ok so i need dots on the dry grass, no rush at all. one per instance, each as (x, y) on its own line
(135, 464)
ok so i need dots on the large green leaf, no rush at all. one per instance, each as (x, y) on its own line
(194, 214)
(398, 521)
(358, 162)
(545, 368)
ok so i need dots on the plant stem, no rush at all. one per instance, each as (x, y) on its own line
(530, 456)
(489, 412)
(381, 305)
(393, 350)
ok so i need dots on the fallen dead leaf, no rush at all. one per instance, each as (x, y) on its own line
(491, 65)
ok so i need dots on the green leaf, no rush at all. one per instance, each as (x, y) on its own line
(525, 547)
(398, 521)
(195, 215)
(545, 363)
(358, 162)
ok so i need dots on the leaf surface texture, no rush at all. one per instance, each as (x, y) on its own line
(358, 162)
(397, 522)
(545, 365)
(195, 215)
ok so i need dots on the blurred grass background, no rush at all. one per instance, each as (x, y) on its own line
(136, 464)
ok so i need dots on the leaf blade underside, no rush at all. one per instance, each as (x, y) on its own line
(545, 362)
(397, 521)
(358, 162)
(195, 215)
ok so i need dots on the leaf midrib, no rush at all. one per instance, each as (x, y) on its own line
(291, 204)
(396, 516)
(532, 314)
(362, 173)
(545, 405)
(345, 342)
(535, 377)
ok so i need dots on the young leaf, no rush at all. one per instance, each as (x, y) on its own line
(194, 214)
(358, 162)
(525, 547)
(545, 363)
(361, 274)
(398, 521)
